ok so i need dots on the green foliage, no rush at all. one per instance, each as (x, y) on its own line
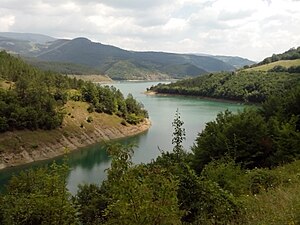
(203, 200)
(92, 201)
(111, 101)
(178, 134)
(38, 197)
(244, 86)
(228, 175)
(89, 119)
(140, 194)
(243, 137)
(293, 53)
(264, 138)
(274, 207)
(37, 98)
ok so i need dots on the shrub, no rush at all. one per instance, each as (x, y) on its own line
(89, 119)
(123, 122)
(227, 174)
(262, 180)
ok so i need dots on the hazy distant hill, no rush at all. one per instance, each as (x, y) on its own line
(119, 63)
(110, 60)
(36, 38)
(237, 62)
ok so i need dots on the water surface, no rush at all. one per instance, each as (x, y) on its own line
(88, 164)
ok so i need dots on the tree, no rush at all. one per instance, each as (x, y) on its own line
(244, 137)
(178, 133)
(140, 194)
(38, 197)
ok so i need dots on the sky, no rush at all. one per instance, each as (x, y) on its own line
(254, 29)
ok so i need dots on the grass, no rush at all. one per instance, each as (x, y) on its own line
(76, 114)
(284, 63)
(5, 84)
(277, 206)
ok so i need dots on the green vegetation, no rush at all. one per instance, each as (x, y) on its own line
(239, 86)
(62, 67)
(288, 61)
(33, 99)
(283, 65)
(243, 169)
(38, 197)
(293, 53)
(82, 56)
(255, 84)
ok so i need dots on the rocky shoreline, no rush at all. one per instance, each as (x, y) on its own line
(60, 141)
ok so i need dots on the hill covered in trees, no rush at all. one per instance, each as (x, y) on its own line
(239, 86)
(81, 56)
(34, 99)
(253, 84)
(243, 169)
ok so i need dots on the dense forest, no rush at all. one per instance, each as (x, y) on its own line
(34, 99)
(242, 86)
(243, 169)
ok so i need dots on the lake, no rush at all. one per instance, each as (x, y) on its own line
(88, 164)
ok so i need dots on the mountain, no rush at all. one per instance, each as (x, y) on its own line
(119, 63)
(36, 38)
(110, 60)
(237, 62)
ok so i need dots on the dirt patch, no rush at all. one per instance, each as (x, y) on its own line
(21, 147)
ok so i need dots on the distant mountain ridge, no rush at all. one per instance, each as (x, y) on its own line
(115, 62)
(36, 38)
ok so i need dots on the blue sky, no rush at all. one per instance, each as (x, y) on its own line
(254, 29)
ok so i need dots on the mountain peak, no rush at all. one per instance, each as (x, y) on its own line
(82, 40)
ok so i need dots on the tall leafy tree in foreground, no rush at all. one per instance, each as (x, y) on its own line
(38, 197)
(141, 194)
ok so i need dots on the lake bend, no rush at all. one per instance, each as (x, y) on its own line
(87, 164)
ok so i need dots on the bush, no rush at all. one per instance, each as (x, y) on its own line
(123, 122)
(228, 175)
(90, 109)
(133, 119)
(89, 119)
(262, 180)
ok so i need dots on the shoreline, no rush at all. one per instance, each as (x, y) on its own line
(22, 147)
(152, 93)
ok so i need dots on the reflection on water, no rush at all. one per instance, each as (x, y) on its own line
(88, 164)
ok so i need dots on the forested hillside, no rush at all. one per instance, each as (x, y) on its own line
(243, 169)
(239, 86)
(32, 99)
(82, 56)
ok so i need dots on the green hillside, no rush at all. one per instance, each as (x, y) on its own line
(256, 83)
(293, 53)
(81, 56)
(282, 63)
(33, 99)
(253, 86)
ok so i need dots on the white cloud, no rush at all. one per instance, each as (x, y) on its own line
(6, 22)
(253, 29)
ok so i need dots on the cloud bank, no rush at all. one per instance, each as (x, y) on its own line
(254, 29)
